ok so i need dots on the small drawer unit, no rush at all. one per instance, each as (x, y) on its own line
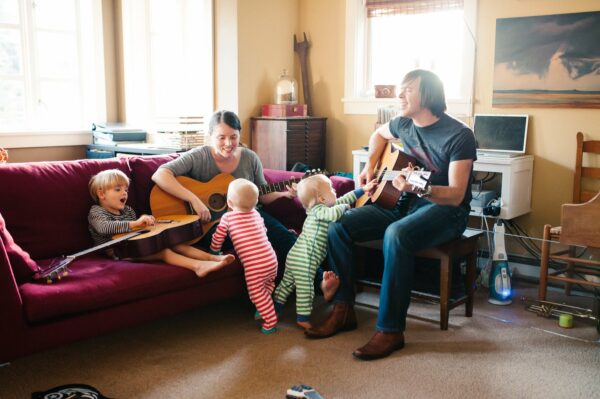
(281, 142)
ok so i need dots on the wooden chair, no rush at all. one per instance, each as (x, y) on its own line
(580, 227)
(463, 247)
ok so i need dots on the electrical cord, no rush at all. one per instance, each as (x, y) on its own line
(527, 242)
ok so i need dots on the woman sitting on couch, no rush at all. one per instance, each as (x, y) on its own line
(225, 155)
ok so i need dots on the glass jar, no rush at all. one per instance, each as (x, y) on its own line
(286, 90)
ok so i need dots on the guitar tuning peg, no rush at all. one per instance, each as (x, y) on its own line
(48, 280)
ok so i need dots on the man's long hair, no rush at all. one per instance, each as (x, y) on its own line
(431, 89)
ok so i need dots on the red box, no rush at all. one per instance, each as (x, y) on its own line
(283, 110)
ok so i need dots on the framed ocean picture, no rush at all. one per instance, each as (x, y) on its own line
(550, 61)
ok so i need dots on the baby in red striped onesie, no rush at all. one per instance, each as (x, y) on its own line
(249, 237)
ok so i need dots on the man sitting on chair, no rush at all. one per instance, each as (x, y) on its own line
(419, 220)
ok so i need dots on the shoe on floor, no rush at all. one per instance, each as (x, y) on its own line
(341, 318)
(382, 344)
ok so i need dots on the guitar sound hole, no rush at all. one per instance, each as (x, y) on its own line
(217, 202)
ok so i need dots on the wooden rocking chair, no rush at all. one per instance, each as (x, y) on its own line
(580, 227)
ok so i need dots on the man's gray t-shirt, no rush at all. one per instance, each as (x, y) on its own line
(199, 164)
(435, 146)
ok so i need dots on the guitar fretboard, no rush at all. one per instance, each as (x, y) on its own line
(417, 178)
(279, 186)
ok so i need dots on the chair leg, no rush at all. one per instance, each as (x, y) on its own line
(544, 264)
(445, 286)
(470, 282)
(569, 270)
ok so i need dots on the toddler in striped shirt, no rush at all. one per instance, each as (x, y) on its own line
(248, 234)
(318, 197)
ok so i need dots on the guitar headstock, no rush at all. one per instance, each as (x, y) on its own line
(56, 271)
(313, 172)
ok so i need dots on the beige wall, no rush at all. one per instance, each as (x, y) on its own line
(551, 133)
(265, 48)
(46, 154)
(264, 37)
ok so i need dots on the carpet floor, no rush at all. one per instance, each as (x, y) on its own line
(218, 352)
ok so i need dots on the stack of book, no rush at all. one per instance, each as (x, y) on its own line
(179, 133)
(116, 133)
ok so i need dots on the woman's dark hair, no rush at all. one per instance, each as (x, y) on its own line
(227, 117)
(431, 89)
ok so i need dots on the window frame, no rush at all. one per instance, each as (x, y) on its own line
(32, 136)
(356, 64)
(137, 46)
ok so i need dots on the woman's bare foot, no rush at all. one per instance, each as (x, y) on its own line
(329, 285)
(206, 266)
(304, 324)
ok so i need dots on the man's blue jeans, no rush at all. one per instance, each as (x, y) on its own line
(405, 231)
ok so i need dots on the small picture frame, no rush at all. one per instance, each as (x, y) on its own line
(385, 91)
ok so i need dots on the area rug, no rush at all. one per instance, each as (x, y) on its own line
(70, 391)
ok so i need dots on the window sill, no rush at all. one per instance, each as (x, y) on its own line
(32, 139)
(369, 106)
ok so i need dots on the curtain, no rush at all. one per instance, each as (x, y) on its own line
(384, 8)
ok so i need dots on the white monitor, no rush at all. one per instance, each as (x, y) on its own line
(500, 135)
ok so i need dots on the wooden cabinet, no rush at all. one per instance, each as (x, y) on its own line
(281, 142)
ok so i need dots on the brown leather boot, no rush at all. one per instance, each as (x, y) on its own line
(382, 344)
(341, 318)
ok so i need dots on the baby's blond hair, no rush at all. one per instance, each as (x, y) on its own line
(243, 195)
(310, 189)
(106, 180)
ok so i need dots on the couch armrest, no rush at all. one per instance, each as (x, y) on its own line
(11, 309)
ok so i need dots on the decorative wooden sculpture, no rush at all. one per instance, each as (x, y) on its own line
(302, 49)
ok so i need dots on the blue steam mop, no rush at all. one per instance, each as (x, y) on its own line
(500, 287)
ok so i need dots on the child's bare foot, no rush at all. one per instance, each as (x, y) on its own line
(329, 285)
(304, 324)
(219, 258)
(205, 267)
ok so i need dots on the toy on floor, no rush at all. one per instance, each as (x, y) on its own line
(302, 391)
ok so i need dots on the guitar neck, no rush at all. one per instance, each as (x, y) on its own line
(107, 244)
(389, 175)
(418, 178)
(279, 186)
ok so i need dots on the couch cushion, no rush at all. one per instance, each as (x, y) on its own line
(142, 169)
(98, 282)
(289, 211)
(45, 204)
(23, 266)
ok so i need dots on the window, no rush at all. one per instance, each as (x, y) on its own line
(168, 59)
(51, 65)
(387, 38)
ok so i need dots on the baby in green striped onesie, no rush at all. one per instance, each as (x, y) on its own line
(319, 199)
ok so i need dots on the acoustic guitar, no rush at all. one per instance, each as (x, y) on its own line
(212, 193)
(168, 231)
(390, 165)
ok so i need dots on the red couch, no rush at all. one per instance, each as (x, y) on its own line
(43, 215)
